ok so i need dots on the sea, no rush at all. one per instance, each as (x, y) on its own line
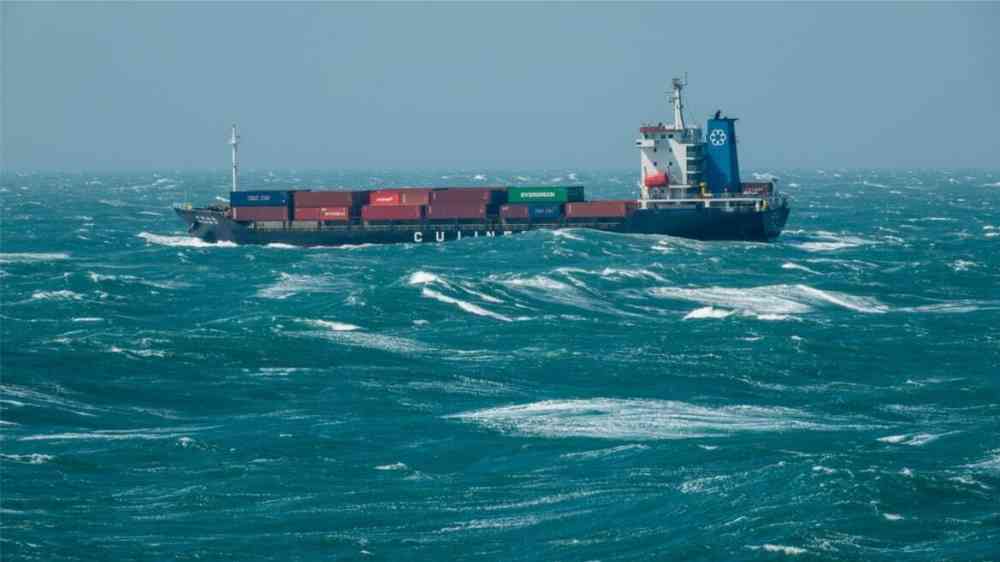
(557, 395)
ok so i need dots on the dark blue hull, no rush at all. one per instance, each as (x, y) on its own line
(699, 223)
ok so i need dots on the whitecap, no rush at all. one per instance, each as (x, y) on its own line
(913, 440)
(393, 466)
(786, 550)
(638, 420)
(793, 265)
(988, 464)
(32, 458)
(613, 273)
(182, 241)
(63, 295)
(602, 453)
(115, 434)
(564, 233)
(331, 325)
(963, 265)
(423, 278)
(464, 305)
(30, 257)
(892, 516)
(290, 284)
(281, 246)
(771, 299)
(707, 312)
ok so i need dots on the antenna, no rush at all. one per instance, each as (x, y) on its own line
(235, 142)
(678, 103)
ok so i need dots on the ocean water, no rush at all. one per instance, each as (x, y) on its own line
(567, 395)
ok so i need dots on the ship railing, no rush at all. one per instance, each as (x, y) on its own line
(495, 226)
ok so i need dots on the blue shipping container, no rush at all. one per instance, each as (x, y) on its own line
(544, 211)
(258, 198)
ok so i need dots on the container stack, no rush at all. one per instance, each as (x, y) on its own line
(259, 205)
(390, 205)
(522, 204)
(599, 210)
(335, 206)
(464, 203)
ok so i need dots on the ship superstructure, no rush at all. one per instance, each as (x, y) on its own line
(689, 186)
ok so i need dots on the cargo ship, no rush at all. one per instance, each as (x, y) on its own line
(689, 186)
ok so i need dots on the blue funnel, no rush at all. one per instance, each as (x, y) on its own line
(722, 168)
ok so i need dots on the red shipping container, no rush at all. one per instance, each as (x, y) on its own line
(334, 213)
(514, 212)
(392, 212)
(599, 209)
(260, 213)
(415, 196)
(329, 198)
(456, 211)
(306, 213)
(466, 195)
(384, 197)
(401, 197)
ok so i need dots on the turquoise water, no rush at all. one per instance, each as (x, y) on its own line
(567, 395)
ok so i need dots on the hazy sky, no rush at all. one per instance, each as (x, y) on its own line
(486, 86)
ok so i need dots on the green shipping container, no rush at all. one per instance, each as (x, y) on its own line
(545, 194)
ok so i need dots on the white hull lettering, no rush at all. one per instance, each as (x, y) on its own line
(439, 236)
(418, 236)
(490, 233)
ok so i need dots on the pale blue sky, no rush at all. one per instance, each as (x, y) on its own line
(487, 86)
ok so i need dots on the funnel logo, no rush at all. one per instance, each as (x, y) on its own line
(717, 137)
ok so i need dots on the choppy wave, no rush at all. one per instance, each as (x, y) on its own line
(464, 305)
(146, 434)
(33, 257)
(707, 312)
(62, 295)
(771, 299)
(830, 242)
(331, 325)
(608, 418)
(182, 241)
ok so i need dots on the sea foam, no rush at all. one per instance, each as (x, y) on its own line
(635, 419)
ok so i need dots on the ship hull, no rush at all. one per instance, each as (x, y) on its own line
(700, 223)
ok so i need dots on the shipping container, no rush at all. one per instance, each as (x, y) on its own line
(306, 213)
(488, 195)
(452, 211)
(330, 198)
(392, 212)
(537, 212)
(258, 198)
(600, 209)
(514, 212)
(400, 197)
(260, 213)
(384, 197)
(334, 213)
(546, 194)
(757, 188)
(545, 211)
